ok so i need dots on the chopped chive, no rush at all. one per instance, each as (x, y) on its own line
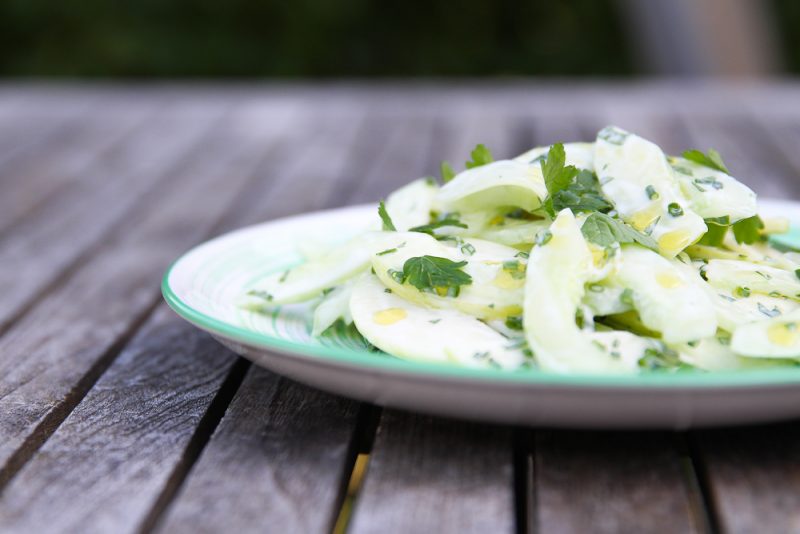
(742, 292)
(675, 209)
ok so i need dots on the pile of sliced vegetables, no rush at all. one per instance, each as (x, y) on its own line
(604, 257)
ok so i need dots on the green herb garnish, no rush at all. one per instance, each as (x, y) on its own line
(432, 274)
(613, 135)
(260, 294)
(446, 171)
(748, 230)
(717, 228)
(557, 175)
(675, 209)
(712, 159)
(743, 292)
(388, 225)
(449, 220)
(651, 192)
(480, 156)
(515, 268)
(514, 322)
(581, 195)
(774, 312)
(604, 231)
(543, 238)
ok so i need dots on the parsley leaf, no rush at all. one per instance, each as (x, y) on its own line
(480, 156)
(717, 228)
(447, 171)
(557, 176)
(748, 230)
(384, 215)
(581, 195)
(603, 230)
(712, 160)
(433, 274)
(429, 228)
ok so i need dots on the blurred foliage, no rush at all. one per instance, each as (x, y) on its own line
(312, 38)
(787, 18)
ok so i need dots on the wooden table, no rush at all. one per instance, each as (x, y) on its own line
(116, 416)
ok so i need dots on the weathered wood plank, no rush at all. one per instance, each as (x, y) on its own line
(600, 482)
(753, 477)
(27, 123)
(107, 464)
(103, 191)
(432, 475)
(68, 339)
(129, 501)
(284, 449)
(66, 156)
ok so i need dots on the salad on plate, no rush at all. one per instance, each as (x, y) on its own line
(603, 257)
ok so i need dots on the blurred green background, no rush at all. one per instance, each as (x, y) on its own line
(362, 38)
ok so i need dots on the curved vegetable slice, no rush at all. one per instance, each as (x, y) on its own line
(497, 273)
(635, 175)
(579, 155)
(498, 184)
(556, 275)
(513, 232)
(713, 193)
(772, 338)
(411, 205)
(729, 275)
(310, 279)
(334, 306)
(667, 298)
(606, 298)
(413, 332)
(715, 354)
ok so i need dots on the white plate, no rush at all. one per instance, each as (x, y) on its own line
(203, 286)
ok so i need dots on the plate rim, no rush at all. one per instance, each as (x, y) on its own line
(777, 377)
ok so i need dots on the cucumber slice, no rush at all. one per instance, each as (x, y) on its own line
(498, 184)
(497, 273)
(557, 273)
(406, 330)
(635, 175)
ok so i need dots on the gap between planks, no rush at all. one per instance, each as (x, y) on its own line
(203, 431)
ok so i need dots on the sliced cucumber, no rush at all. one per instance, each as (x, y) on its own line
(413, 332)
(557, 273)
(499, 184)
(636, 177)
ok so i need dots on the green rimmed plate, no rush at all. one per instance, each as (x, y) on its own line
(205, 284)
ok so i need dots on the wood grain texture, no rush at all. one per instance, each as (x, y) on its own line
(71, 335)
(100, 190)
(428, 474)
(120, 199)
(67, 157)
(601, 482)
(753, 477)
(129, 501)
(110, 459)
(28, 123)
(283, 449)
